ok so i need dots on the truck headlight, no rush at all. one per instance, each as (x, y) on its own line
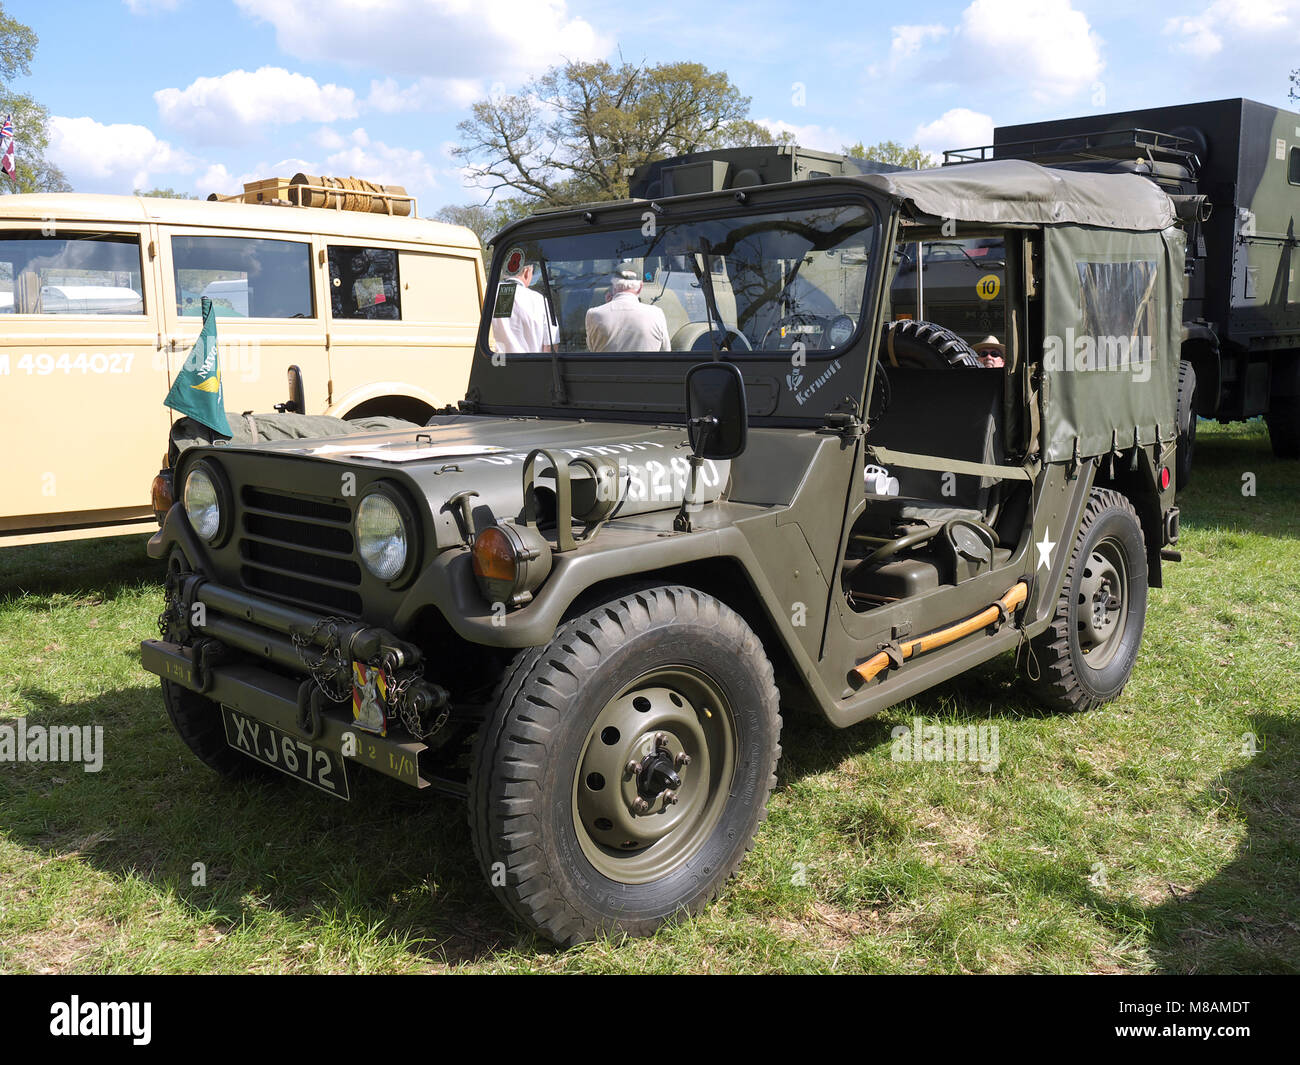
(510, 562)
(383, 535)
(203, 501)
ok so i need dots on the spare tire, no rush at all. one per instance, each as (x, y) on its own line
(924, 345)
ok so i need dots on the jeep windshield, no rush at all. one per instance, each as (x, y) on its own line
(739, 282)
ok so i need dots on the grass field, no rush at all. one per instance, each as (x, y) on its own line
(1160, 833)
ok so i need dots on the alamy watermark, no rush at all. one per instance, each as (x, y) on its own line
(1084, 353)
(53, 743)
(919, 742)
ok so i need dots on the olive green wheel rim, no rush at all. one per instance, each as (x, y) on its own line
(633, 826)
(1102, 603)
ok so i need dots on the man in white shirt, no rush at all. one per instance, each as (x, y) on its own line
(624, 323)
(525, 324)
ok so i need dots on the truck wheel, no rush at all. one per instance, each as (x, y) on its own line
(1186, 424)
(622, 775)
(1087, 653)
(1283, 419)
(198, 722)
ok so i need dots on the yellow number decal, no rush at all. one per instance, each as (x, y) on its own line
(988, 287)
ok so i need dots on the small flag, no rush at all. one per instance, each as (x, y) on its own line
(196, 391)
(7, 148)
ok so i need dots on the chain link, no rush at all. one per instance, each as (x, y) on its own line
(325, 669)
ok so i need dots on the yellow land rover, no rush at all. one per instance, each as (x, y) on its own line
(100, 303)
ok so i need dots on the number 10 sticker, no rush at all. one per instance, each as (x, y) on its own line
(988, 287)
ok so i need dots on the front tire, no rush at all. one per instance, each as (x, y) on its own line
(197, 721)
(627, 765)
(1086, 655)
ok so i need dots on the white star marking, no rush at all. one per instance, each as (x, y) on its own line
(1045, 552)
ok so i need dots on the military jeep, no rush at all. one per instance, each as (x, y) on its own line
(581, 600)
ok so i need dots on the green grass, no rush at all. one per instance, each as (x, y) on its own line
(1142, 837)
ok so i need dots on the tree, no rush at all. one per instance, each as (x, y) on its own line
(33, 172)
(577, 132)
(890, 152)
(1294, 94)
(164, 194)
(485, 219)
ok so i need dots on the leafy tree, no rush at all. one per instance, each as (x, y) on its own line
(485, 219)
(165, 194)
(1294, 94)
(890, 152)
(577, 132)
(34, 173)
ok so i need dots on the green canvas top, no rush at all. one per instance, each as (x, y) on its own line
(1015, 190)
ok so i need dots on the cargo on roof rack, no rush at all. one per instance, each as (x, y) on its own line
(339, 193)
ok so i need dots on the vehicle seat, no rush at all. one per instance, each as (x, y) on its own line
(956, 414)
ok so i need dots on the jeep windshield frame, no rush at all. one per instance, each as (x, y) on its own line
(757, 249)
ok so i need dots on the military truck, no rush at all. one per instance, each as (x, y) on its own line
(582, 601)
(1233, 166)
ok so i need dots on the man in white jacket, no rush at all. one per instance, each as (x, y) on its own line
(624, 323)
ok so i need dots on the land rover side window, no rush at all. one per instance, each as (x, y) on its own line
(364, 283)
(245, 277)
(90, 273)
(760, 281)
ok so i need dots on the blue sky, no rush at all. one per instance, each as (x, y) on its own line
(201, 95)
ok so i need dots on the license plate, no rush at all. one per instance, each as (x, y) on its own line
(313, 765)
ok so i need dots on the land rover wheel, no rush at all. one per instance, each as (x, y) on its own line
(197, 720)
(1283, 420)
(627, 765)
(1186, 425)
(1087, 653)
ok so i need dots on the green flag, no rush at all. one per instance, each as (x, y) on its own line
(196, 392)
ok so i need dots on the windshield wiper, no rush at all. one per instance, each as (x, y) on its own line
(700, 265)
(558, 392)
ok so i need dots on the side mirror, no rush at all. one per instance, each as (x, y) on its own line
(717, 415)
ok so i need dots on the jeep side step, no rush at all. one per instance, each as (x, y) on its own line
(991, 616)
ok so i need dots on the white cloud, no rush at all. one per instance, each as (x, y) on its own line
(462, 39)
(908, 40)
(1047, 46)
(390, 97)
(230, 108)
(112, 158)
(818, 138)
(1202, 34)
(387, 164)
(959, 127)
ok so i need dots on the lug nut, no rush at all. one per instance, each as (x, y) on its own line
(640, 806)
(661, 740)
(632, 766)
(670, 798)
(682, 760)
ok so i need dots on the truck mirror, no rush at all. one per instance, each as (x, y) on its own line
(717, 416)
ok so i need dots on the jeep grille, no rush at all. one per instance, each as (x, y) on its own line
(299, 550)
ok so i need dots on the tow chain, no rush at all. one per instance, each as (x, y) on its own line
(326, 668)
(397, 699)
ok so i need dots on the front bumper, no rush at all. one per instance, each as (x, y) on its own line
(274, 700)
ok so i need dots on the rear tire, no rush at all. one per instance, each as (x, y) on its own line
(1186, 424)
(1086, 655)
(1283, 420)
(575, 742)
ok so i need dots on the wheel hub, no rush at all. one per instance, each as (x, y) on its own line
(1102, 610)
(647, 781)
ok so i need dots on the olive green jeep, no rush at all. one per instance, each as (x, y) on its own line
(700, 473)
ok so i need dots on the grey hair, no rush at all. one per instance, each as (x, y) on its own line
(626, 284)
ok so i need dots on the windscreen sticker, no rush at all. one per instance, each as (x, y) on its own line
(505, 301)
(514, 261)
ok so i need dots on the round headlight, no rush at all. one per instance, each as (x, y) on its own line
(203, 503)
(382, 536)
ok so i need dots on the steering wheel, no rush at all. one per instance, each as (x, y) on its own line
(725, 338)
